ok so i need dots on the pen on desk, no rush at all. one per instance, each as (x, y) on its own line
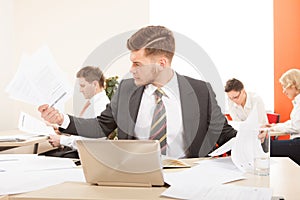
(59, 98)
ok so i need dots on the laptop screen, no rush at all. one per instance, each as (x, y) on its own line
(121, 162)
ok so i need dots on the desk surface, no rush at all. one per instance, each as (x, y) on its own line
(277, 133)
(29, 141)
(30, 145)
(284, 180)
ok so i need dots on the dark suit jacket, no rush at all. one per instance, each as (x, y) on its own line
(204, 125)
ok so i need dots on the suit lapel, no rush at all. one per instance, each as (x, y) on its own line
(134, 105)
(134, 102)
(190, 110)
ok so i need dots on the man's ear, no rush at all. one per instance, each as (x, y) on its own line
(163, 61)
(95, 83)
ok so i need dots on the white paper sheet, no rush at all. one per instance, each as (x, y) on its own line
(224, 148)
(19, 182)
(245, 144)
(39, 80)
(233, 193)
(242, 153)
(33, 163)
(33, 126)
(28, 172)
(205, 175)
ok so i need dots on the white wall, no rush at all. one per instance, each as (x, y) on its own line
(236, 34)
(8, 111)
(72, 29)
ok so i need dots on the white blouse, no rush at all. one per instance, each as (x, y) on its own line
(291, 126)
(239, 113)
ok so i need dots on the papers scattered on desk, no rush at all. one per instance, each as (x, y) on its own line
(39, 80)
(224, 148)
(10, 139)
(244, 144)
(209, 173)
(18, 137)
(28, 172)
(33, 126)
(230, 192)
(21, 163)
(224, 192)
(168, 162)
(205, 180)
(19, 182)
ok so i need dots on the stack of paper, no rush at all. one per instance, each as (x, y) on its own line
(244, 144)
(39, 80)
(34, 126)
(205, 180)
(27, 172)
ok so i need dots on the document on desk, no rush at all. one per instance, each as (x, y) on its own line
(25, 173)
(21, 163)
(244, 144)
(205, 175)
(169, 162)
(224, 148)
(39, 80)
(33, 126)
(225, 192)
(20, 182)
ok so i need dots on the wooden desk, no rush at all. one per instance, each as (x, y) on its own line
(33, 141)
(277, 133)
(4, 197)
(284, 180)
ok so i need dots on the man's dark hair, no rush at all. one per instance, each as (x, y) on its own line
(91, 74)
(156, 40)
(234, 85)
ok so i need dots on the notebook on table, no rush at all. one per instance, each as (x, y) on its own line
(121, 162)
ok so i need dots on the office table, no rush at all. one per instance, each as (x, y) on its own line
(284, 180)
(35, 141)
(277, 133)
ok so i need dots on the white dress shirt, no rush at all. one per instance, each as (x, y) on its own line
(171, 100)
(291, 126)
(98, 104)
(240, 113)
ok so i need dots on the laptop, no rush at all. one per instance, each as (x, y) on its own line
(121, 162)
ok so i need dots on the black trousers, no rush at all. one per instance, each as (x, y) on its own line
(286, 148)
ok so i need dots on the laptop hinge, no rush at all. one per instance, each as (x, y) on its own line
(124, 184)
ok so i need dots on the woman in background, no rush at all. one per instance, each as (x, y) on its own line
(290, 82)
(241, 103)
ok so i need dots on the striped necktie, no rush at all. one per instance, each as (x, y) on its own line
(159, 122)
(86, 105)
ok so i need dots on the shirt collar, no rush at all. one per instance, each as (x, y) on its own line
(97, 96)
(170, 88)
(248, 103)
(296, 100)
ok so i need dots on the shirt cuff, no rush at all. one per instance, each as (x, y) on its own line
(65, 140)
(66, 122)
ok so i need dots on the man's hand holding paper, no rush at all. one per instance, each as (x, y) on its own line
(51, 114)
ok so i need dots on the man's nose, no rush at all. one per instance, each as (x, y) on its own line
(132, 70)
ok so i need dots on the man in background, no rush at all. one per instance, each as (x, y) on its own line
(91, 83)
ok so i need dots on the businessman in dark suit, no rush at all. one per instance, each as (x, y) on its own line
(192, 120)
